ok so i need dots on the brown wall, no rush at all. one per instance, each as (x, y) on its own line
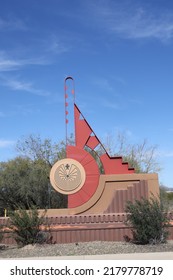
(102, 217)
(83, 228)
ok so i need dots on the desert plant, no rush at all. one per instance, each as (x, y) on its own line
(25, 226)
(1, 233)
(166, 197)
(149, 221)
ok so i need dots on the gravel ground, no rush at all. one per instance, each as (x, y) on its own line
(86, 248)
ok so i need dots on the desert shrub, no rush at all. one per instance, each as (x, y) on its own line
(167, 198)
(149, 221)
(25, 226)
(1, 233)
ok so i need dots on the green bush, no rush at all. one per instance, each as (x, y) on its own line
(167, 198)
(149, 221)
(25, 226)
(1, 233)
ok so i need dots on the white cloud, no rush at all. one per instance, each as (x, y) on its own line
(129, 20)
(56, 46)
(11, 64)
(6, 143)
(23, 86)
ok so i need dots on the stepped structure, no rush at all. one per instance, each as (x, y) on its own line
(95, 183)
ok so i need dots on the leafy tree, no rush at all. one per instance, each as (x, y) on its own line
(25, 182)
(25, 179)
(35, 148)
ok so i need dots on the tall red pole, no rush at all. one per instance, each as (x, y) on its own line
(66, 96)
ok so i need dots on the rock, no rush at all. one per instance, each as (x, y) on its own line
(3, 246)
(28, 247)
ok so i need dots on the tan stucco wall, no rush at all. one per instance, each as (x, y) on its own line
(108, 184)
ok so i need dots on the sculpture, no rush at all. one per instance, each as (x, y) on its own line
(79, 177)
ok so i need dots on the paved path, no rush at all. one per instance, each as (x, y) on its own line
(136, 256)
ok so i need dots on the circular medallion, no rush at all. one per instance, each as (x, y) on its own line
(67, 176)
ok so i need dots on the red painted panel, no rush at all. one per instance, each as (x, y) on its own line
(82, 129)
(92, 176)
(83, 132)
(92, 142)
(114, 165)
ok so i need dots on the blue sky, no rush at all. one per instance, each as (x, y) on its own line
(120, 54)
